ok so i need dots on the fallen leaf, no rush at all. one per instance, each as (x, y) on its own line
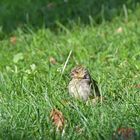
(57, 118)
(119, 30)
(17, 57)
(137, 86)
(13, 39)
(52, 60)
(124, 134)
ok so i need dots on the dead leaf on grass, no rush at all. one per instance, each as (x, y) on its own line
(52, 60)
(13, 40)
(57, 119)
(124, 134)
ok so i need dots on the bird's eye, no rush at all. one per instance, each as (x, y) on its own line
(73, 73)
(76, 72)
(86, 76)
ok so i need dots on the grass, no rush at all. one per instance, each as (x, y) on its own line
(30, 86)
(34, 13)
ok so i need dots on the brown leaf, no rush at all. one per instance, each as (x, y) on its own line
(13, 40)
(52, 60)
(137, 86)
(124, 134)
(57, 118)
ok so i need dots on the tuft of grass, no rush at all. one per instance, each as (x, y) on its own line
(30, 86)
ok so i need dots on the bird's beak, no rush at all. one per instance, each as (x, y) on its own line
(80, 76)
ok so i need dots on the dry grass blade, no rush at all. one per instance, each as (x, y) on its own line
(66, 61)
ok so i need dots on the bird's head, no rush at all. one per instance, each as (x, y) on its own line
(79, 72)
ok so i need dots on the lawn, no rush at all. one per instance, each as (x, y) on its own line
(32, 83)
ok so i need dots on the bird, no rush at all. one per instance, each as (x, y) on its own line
(82, 86)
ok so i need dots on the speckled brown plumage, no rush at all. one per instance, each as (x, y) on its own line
(82, 85)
